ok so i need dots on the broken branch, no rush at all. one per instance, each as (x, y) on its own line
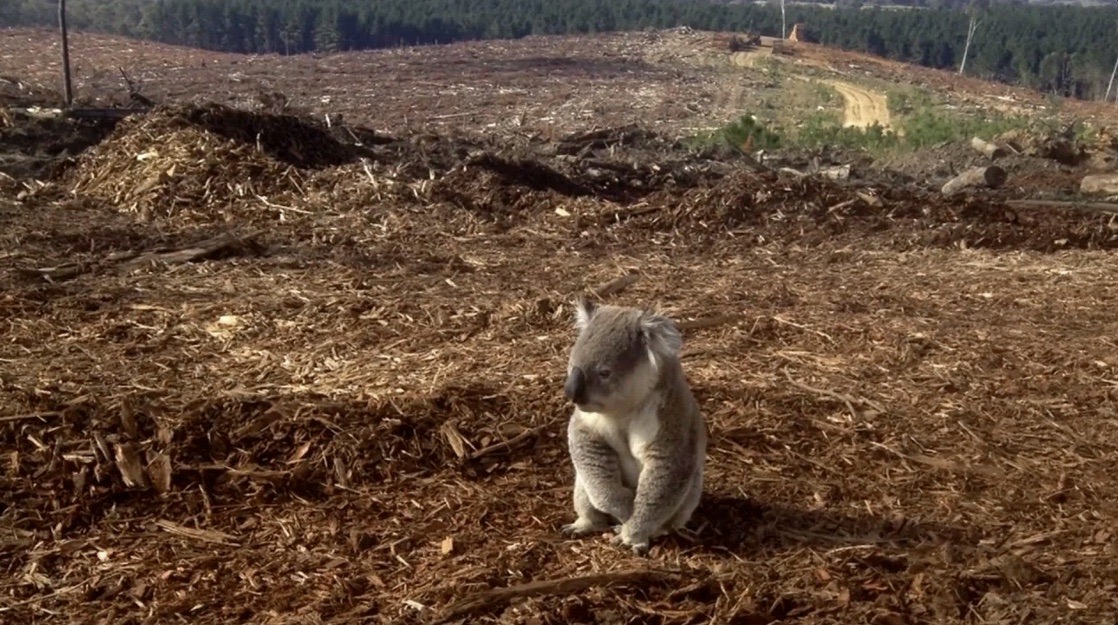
(845, 399)
(498, 597)
(510, 443)
(616, 286)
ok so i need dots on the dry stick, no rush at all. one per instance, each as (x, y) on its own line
(846, 399)
(802, 327)
(497, 597)
(940, 463)
(30, 415)
(616, 285)
(38, 598)
(1101, 207)
(130, 260)
(708, 322)
(62, 272)
(365, 166)
(211, 536)
(510, 443)
(201, 250)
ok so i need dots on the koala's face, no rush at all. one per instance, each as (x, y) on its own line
(610, 367)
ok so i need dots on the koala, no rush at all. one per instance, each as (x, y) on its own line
(637, 438)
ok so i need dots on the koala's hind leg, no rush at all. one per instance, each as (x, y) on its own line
(590, 519)
(687, 506)
(690, 502)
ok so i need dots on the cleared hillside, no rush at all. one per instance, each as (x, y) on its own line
(259, 368)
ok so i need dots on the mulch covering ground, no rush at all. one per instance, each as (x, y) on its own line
(349, 409)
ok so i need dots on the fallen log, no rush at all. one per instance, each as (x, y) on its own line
(131, 260)
(991, 150)
(991, 176)
(1106, 184)
(199, 251)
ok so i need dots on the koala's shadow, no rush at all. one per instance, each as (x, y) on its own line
(743, 527)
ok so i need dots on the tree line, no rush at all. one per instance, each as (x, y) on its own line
(1066, 50)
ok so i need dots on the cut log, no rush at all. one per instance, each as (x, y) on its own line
(1106, 184)
(841, 172)
(991, 177)
(991, 150)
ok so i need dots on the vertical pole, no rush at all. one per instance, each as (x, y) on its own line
(68, 92)
(1110, 84)
(783, 23)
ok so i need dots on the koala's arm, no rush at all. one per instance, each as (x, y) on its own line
(669, 465)
(600, 471)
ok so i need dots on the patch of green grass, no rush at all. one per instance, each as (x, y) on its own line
(826, 129)
(824, 93)
(808, 115)
(925, 122)
(746, 130)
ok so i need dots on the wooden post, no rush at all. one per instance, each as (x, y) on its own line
(68, 93)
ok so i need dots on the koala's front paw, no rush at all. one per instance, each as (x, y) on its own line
(624, 536)
(581, 527)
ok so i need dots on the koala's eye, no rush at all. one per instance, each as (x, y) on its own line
(604, 372)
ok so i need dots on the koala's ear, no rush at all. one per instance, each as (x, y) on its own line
(661, 335)
(584, 311)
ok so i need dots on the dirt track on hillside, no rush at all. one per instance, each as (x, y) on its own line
(864, 107)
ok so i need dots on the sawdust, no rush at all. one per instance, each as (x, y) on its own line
(335, 395)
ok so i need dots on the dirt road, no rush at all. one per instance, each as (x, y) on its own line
(863, 107)
(747, 58)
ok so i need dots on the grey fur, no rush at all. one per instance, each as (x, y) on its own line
(637, 438)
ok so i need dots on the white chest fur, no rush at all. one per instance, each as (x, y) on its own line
(628, 435)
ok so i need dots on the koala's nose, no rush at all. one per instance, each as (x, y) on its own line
(575, 388)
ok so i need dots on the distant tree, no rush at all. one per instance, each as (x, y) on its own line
(1110, 84)
(783, 22)
(974, 13)
(1073, 44)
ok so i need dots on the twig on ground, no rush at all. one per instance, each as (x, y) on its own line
(510, 443)
(498, 597)
(845, 399)
(777, 319)
(30, 415)
(616, 285)
(708, 322)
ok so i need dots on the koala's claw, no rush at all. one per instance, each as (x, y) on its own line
(580, 528)
(640, 549)
(622, 539)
